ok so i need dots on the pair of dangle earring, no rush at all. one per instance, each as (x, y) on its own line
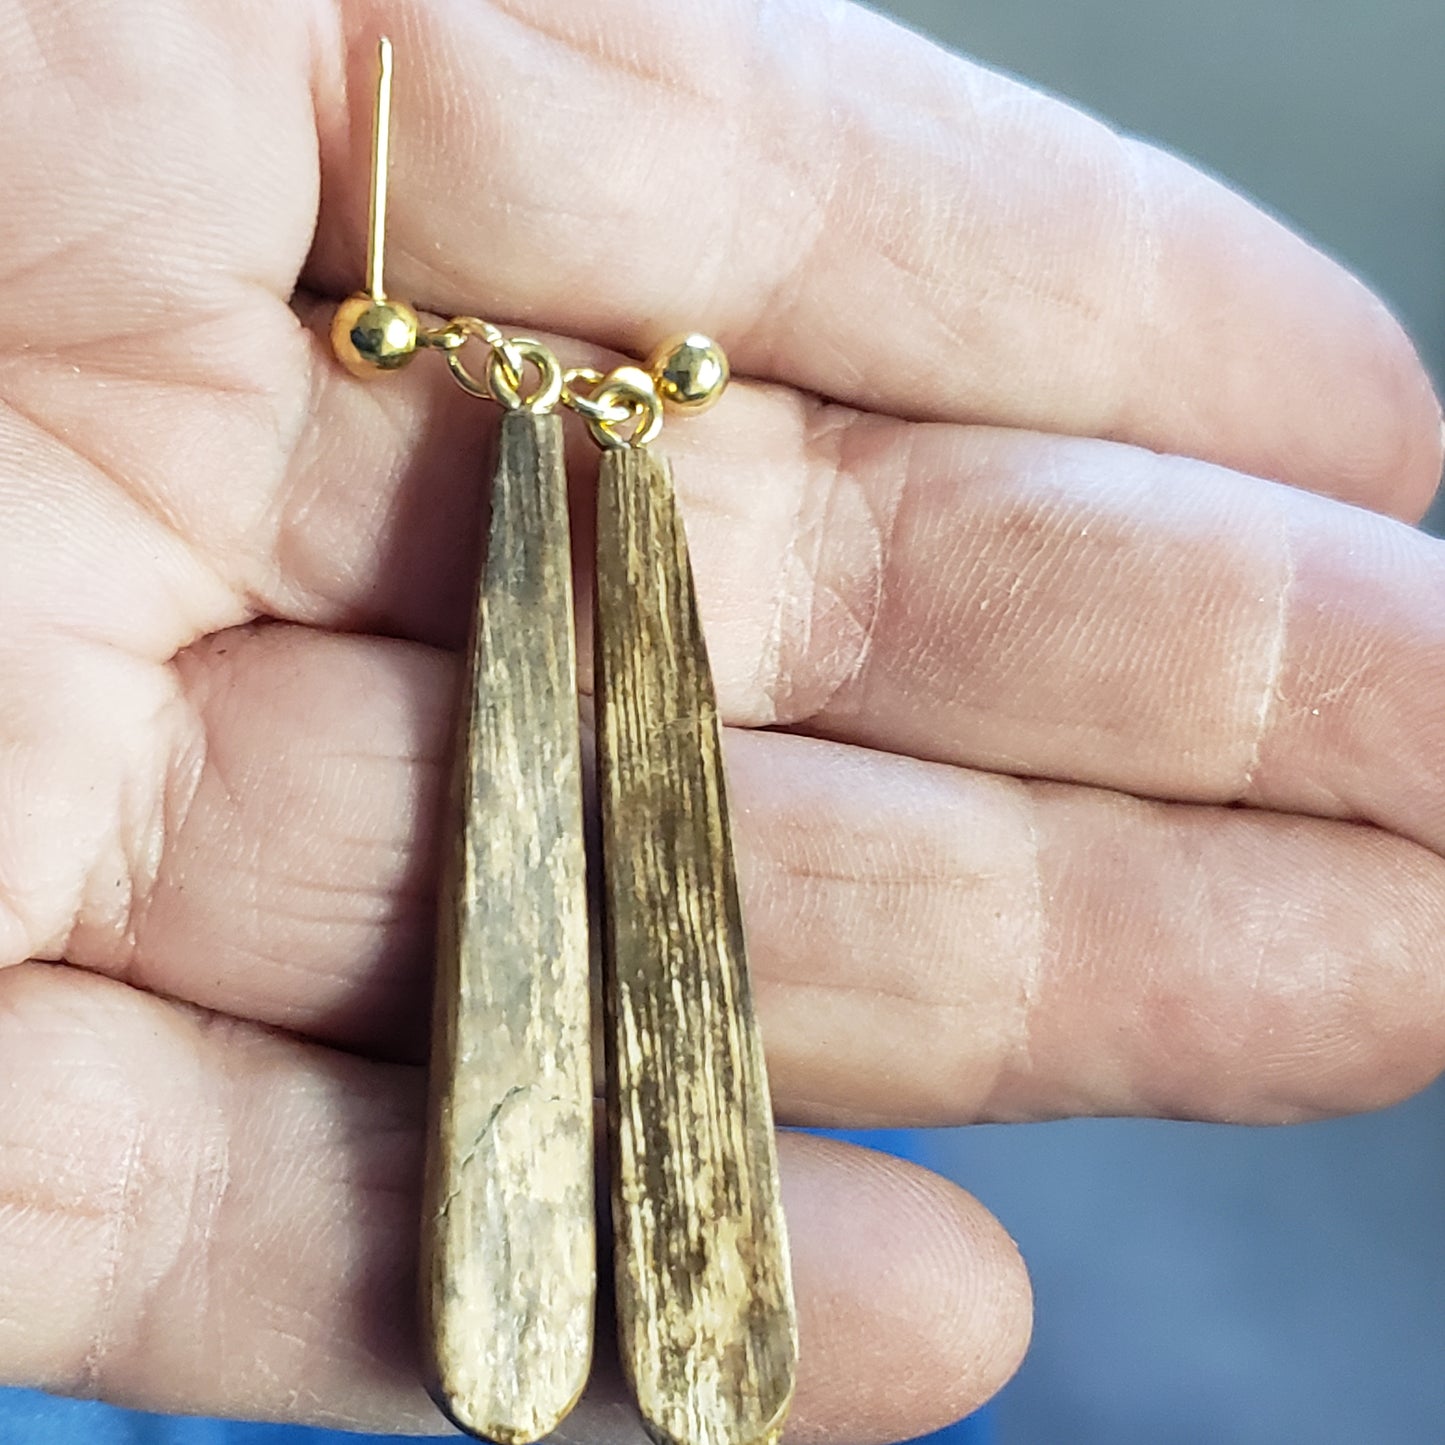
(705, 1319)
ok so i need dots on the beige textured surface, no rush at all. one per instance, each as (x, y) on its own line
(509, 1256)
(704, 1299)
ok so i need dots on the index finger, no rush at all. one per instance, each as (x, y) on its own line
(864, 216)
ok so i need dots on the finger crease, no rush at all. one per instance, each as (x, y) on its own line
(122, 1214)
(1273, 665)
(828, 605)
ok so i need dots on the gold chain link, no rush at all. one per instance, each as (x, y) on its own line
(621, 408)
(507, 361)
(627, 395)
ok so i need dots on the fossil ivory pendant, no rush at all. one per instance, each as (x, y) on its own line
(508, 1273)
(705, 1311)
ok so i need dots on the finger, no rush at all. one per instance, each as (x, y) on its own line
(1054, 607)
(1097, 614)
(157, 376)
(1064, 278)
(206, 1217)
(285, 870)
(196, 196)
(872, 219)
(929, 945)
(935, 946)
(203, 355)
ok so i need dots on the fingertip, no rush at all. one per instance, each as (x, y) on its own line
(1424, 472)
(914, 1303)
(1389, 434)
(1257, 351)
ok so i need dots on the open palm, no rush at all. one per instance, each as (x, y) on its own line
(1025, 551)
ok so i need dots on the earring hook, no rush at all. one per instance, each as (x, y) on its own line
(370, 332)
(380, 166)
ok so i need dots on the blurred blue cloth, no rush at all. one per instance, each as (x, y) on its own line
(30, 1418)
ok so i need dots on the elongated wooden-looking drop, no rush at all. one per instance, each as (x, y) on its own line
(509, 1261)
(704, 1297)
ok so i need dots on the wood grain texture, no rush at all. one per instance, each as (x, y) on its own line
(704, 1297)
(509, 1250)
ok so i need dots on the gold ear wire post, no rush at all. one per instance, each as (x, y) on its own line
(380, 166)
(370, 332)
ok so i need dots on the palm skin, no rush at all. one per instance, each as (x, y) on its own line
(1053, 519)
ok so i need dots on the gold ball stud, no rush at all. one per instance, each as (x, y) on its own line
(691, 372)
(370, 335)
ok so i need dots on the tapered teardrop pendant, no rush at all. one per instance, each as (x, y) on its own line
(508, 1267)
(704, 1297)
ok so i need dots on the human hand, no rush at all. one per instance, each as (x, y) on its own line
(981, 529)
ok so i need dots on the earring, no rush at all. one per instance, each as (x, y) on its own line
(508, 1277)
(704, 1296)
(508, 1266)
